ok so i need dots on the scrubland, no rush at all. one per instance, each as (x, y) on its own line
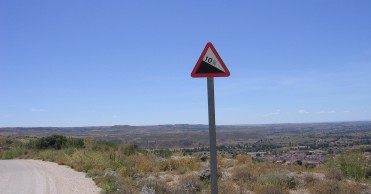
(121, 168)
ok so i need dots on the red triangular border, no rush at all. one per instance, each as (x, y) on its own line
(194, 74)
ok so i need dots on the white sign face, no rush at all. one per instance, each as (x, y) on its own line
(211, 59)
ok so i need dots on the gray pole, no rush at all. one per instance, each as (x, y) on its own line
(212, 135)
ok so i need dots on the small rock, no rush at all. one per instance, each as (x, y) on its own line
(147, 190)
(205, 174)
(204, 157)
(110, 172)
(160, 160)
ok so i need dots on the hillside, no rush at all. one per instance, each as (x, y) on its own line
(119, 168)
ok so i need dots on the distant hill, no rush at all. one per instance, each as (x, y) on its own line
(186, 135)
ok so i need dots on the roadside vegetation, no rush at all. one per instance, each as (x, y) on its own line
(120, 168)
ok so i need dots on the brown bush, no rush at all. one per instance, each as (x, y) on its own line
(336, 187)
(243, 158)
(183, 165)
(270, 189)
(242, 175)
(154, 186)
(142, 163)
(309, 180)
(334, 174)
(326, 186)
(227, 187)
(189, 184)
(354, 188)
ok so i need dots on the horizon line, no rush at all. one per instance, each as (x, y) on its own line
(283, 123)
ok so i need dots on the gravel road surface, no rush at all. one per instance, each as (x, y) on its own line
(39, 177)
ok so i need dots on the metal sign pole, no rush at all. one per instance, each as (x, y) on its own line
(210, 65)
(212, 135)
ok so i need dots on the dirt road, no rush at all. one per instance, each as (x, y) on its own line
(39, 177)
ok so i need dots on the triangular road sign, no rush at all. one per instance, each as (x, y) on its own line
(210, 64)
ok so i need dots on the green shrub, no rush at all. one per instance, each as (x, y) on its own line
(75, 142)
(108, 185)
(128, 150)
(9, 142)
(353, 166)
(164, 153)
(69, 151)
(278, 179)
(10, 154)
(104, 146)
(54, 141)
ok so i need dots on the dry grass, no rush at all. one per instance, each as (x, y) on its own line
(243, 177)
(181, 165)
(190, 184)
(127, 169)
(243, 158)
(310, 180)
(270, 189)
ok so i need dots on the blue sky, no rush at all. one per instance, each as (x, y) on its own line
(85, 63)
